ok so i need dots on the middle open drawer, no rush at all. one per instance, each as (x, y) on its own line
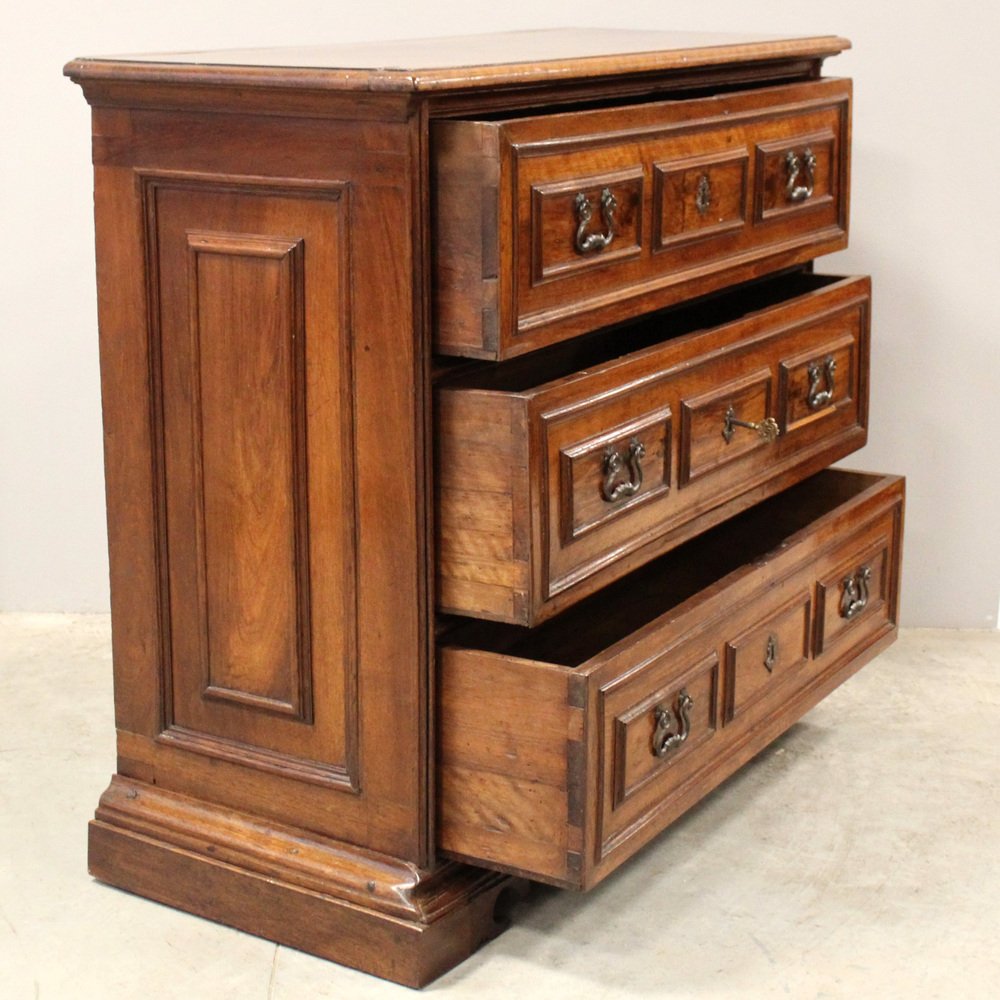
(563, 471)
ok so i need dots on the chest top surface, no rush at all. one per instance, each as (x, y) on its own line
(447, 63)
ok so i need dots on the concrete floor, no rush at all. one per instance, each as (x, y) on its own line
(859, 856)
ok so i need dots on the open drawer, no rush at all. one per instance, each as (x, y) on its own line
(557, 474)
(565, 748)
(551, 224)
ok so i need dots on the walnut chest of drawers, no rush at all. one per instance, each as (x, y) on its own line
(469, 405)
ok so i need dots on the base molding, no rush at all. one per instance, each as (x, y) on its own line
(378, 914)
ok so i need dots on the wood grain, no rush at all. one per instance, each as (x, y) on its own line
(257, 181)
(251, 381)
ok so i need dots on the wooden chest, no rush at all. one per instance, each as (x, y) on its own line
(468, 410)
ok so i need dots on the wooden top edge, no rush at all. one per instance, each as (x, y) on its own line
(442, 64)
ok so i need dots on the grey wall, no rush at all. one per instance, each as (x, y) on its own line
(925, 224)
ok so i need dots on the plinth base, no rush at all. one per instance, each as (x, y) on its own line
(377, 914)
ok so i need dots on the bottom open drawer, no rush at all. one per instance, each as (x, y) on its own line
(563, 749)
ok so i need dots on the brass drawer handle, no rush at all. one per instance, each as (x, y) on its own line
(855, 596)
(613, 486)
(771, 652)
(703, 199)
(796, 165)
(767, 429)
(818, 398)
(672, 724)
(592, 242)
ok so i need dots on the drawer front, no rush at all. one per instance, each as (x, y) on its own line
(852, 597)
(658, 725)
(562, 770)
(586, 217)
(608, 469)
(698, 199)
(714, 429)
(706, 691)
(769, 653)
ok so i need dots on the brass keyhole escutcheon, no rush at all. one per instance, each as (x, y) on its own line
(703, 197)
(771, 652)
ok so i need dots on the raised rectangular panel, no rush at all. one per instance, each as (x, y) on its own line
(699, 197)
(253, 419)
(786, 182)
(592, 208)
(764, 657)
(635, 762)
(249, 439)
(613, 471)
(815, 384)
(704, 448)
(854, 597)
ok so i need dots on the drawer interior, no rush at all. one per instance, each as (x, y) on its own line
(598, 622)
(676, 89)
(610, 343)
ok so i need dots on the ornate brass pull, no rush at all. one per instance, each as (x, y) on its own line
(796, 165)
(771, 652)
(818, 398)
(767, 429)
(591, 242)
(703, 199)
(614, 487)
(855, 596)
(672, 724)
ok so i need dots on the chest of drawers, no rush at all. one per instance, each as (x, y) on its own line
(468, 408)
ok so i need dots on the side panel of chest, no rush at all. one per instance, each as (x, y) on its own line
(249, 373)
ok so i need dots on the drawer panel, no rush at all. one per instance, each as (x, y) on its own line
(564, 749)
(851, 598)
(548, 226)
(709, 437)
(665, 727)
(590, 202)
(699, 198)
(813, 385)
(770, 652)
(550, 489)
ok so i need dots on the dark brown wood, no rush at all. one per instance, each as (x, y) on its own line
(511, 277)
(523, 528)
(242, 348)
(565, 786)
(281, 236)
(246, 553)
(364, 910)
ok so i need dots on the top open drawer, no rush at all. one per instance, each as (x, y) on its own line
(548, 226)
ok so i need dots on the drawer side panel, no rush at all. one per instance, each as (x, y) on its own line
(510, 753)
(483, 508)
(465, 238)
